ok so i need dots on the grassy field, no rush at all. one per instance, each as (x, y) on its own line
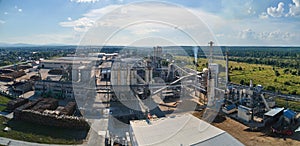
(40, 134)
(272, 78)
(288, 104)
(3, 101)
(265, 75)
(283, 81)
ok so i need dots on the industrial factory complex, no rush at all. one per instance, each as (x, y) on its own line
(131, 98)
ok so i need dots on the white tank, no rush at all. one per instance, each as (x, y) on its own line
(205, 70)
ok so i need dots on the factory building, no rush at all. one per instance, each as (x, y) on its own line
(54, 89)
(103, 56)
(64, 64)
(178, 130)
(157, 57)
(105, 69)
(244, 113)
(273, 115)
(22, 87)
(129, 71)
(289, 116)
(229, 109)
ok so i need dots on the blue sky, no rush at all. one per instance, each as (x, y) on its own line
(228, 22)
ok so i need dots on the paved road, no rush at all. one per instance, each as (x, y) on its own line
(12, 142)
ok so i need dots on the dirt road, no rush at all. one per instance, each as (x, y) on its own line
(249, 138)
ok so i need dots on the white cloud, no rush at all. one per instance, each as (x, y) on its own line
(97, 13)
(294, 8)
(251, 11)
(2, 22)
(276, 11)
(20, 10)
(263, 15)
(276, 35)
(81, 25)
(226, 30)
(139, 20)
(84, 1)
(92, 1)
(130, 14)
(144, 31)
(247, 34)
(220, 35)
(88, 20)
(5, 13)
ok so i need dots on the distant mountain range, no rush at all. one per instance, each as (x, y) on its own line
(28, 45)
(56, 44)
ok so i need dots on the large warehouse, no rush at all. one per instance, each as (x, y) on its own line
(64, 64)
(180, 130)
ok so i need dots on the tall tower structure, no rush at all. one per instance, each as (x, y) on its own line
(227, 71)
(157, 54)
(211, 51)
(212, 78)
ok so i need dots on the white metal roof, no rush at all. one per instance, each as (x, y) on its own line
(66, 61)
(274, 112)
(180, 130)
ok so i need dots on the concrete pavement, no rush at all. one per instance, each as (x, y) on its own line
(12, 142)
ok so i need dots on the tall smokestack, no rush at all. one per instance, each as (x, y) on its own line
(211, 51)
(227, 70)
(211, 81)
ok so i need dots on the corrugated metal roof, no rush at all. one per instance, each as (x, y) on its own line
(230, 107)
(289, 113)
(274, 112)
(244, 107)
(180, 130)
(220, 140)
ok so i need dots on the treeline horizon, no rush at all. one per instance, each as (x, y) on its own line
(286, 57)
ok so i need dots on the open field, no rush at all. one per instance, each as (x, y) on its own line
(41, 134)
(294, 105)
(265, 75)
(4, 100)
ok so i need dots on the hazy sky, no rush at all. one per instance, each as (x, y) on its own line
(230, 22)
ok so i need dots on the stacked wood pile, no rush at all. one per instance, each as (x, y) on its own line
(13, 104)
